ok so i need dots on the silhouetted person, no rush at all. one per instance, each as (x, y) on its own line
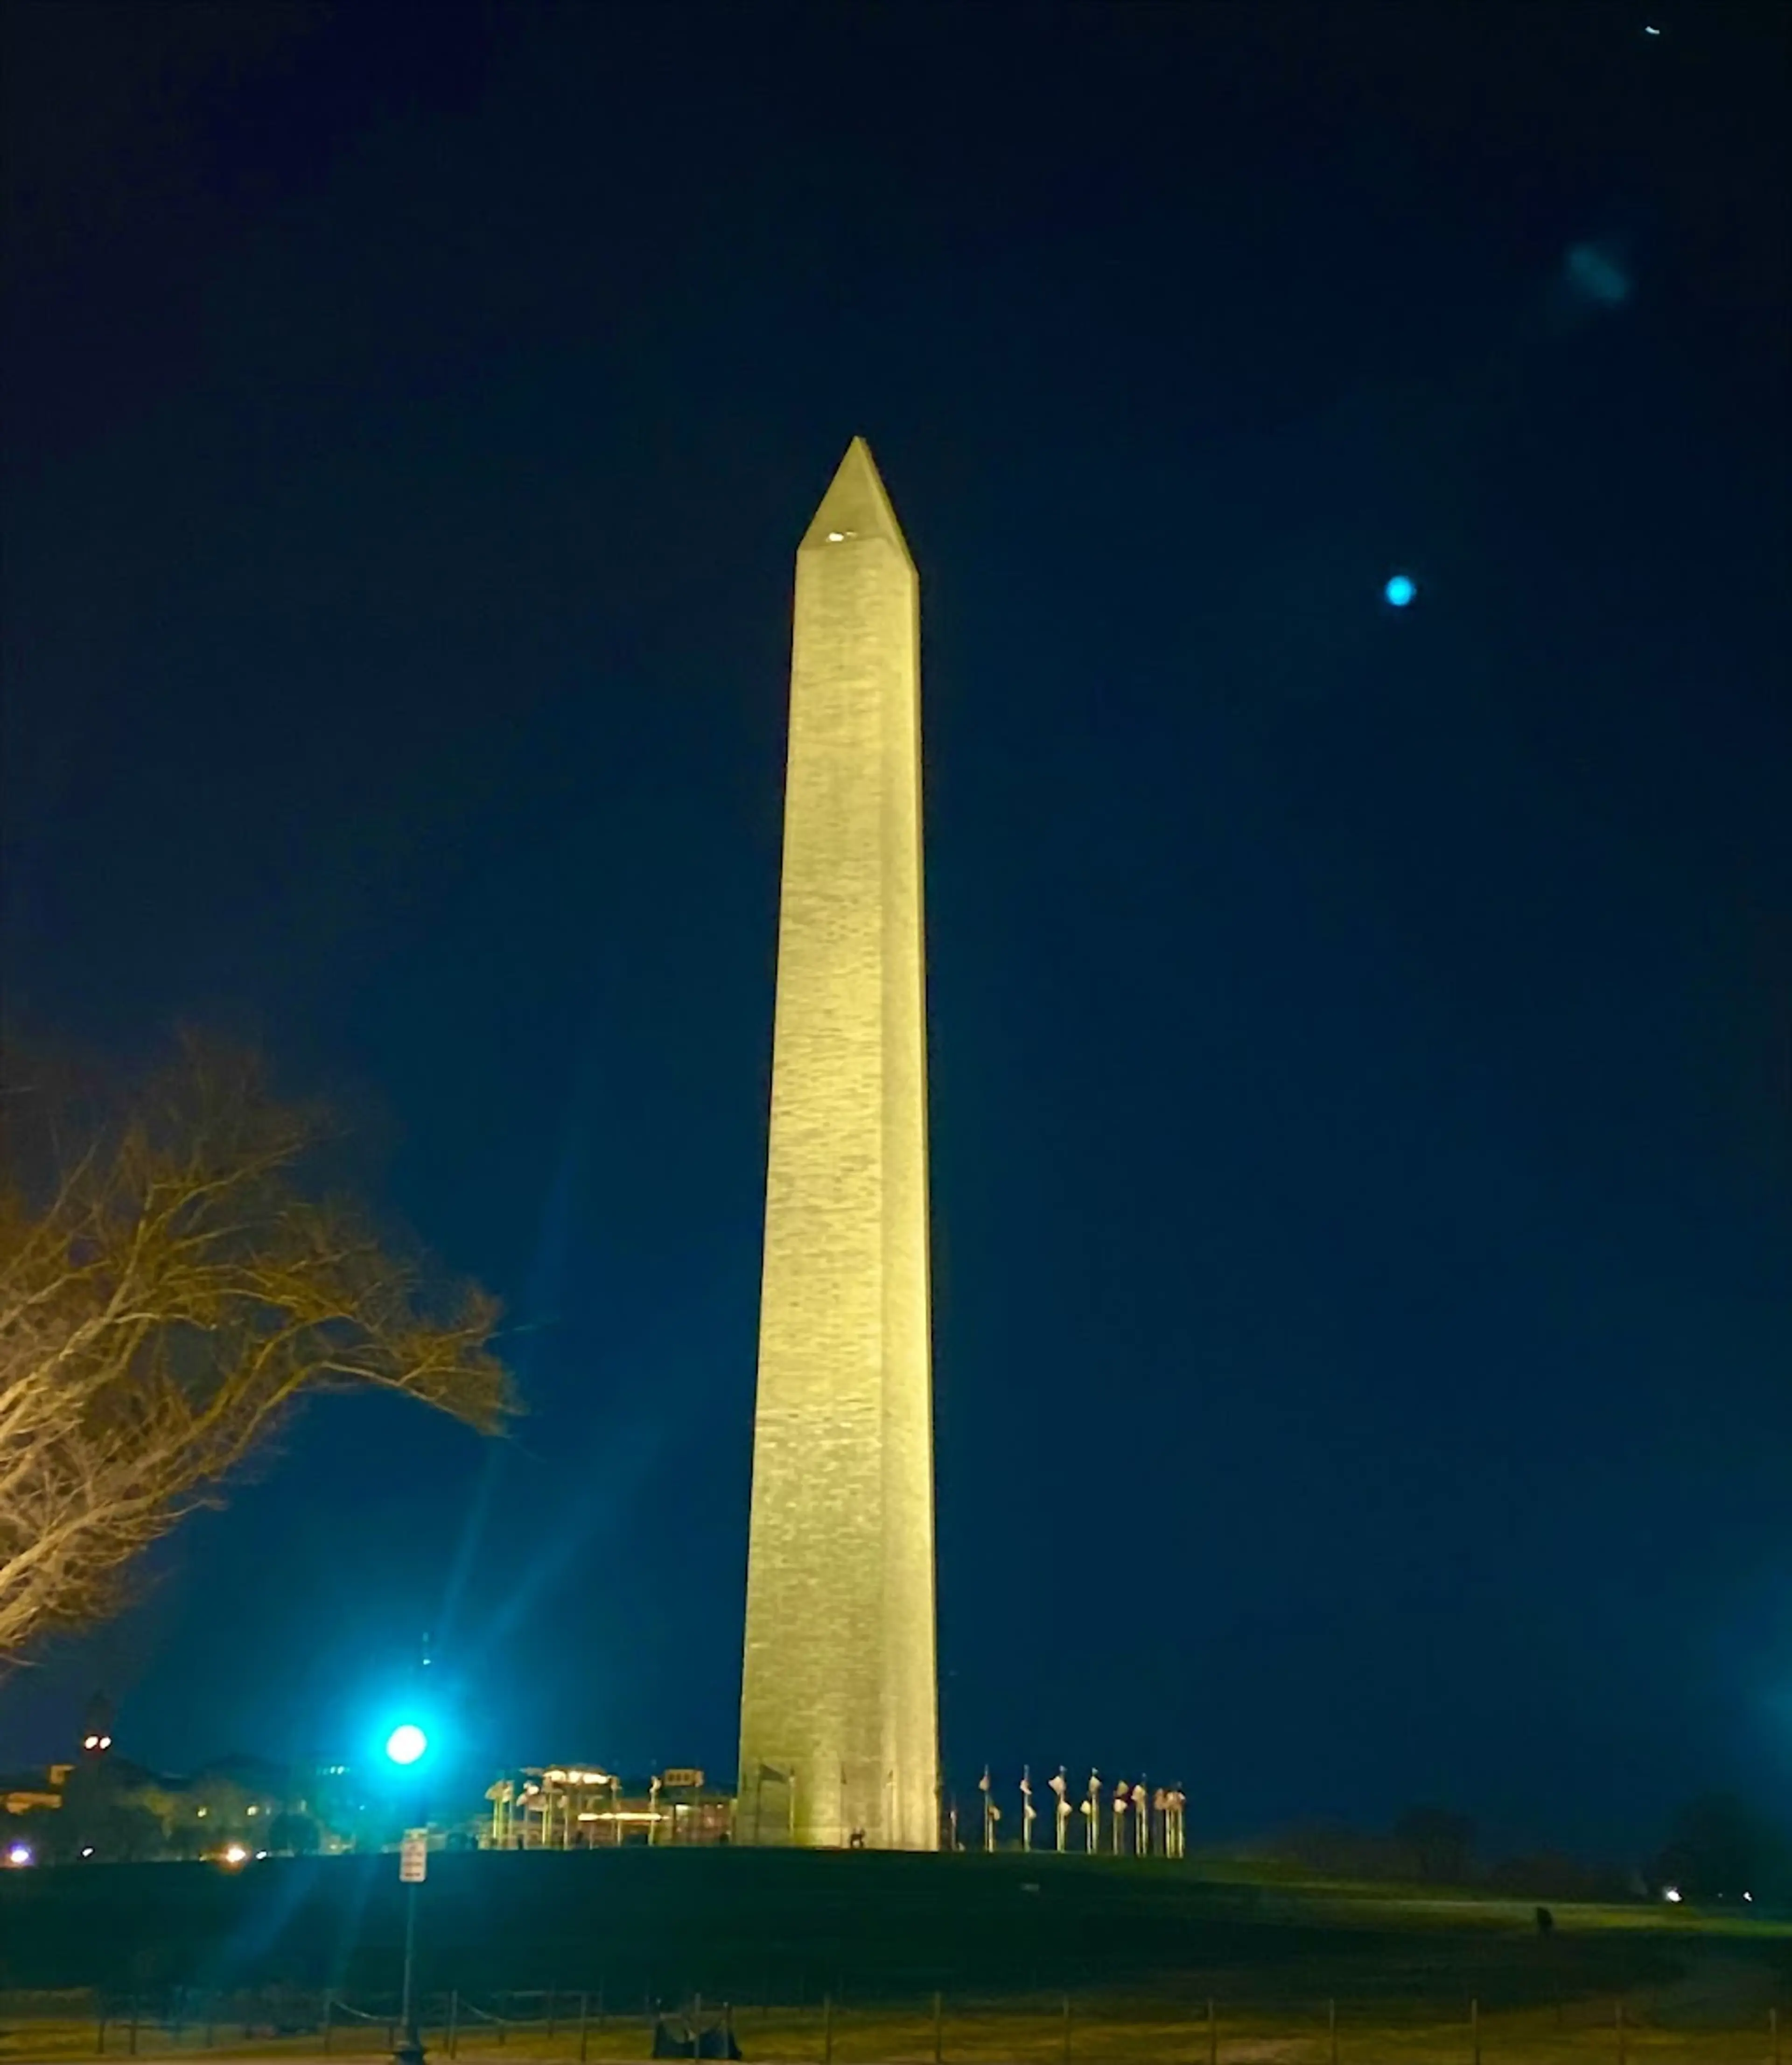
(1546, 1922)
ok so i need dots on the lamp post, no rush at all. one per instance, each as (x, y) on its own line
(406, 1748)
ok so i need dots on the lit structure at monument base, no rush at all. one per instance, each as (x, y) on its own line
(579, 1807)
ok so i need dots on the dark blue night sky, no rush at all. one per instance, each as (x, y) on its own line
(1362, 1115)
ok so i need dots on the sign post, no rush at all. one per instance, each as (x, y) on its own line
(413, 1870)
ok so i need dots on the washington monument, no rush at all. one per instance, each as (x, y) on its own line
(840, 1714)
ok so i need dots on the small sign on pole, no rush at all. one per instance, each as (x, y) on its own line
(414, 1857)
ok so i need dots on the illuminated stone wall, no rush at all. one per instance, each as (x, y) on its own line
(839, 1706)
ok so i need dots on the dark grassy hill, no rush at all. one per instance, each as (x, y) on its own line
(755, 1925)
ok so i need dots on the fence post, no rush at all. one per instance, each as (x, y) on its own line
(1213, 2035)
(212, 2016)
(328, 2018)
(827, 2029)
(584, 2026)
(553, 2011)
(1624, 2046)
(99, 2046)
(454, 2022)
(1331, 2030)
(1773, 2027)
(1066, 2029)
(133, 2025)
(1474, 2030)
(939, 2029)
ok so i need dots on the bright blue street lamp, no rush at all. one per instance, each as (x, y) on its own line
(408, 1744)
(1400, 590)
(406, 1747)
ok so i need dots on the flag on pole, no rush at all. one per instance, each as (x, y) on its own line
(1028, 1816)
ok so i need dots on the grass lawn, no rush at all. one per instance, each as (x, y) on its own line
(834, 1959)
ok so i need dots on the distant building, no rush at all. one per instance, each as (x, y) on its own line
(96, 1728)
(32, 1791)
(102, 1805)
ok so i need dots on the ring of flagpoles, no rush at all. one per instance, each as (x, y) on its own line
(1140, 1821)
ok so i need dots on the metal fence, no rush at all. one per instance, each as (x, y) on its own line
(937, 2030)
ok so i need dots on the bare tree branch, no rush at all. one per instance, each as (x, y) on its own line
(168, 1288)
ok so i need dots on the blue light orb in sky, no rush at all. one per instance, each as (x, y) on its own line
(1598, 272)
(407, 1743)
(1400, 590)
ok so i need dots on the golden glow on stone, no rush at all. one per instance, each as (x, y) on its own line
(839, 1726)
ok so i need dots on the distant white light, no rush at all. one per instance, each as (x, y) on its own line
(1649, 29)
(1748, 1897)
(1400, 590)
(836, 537)
(87, 1850)
(19, 1854)
(236, 1855)
(1672, 1894)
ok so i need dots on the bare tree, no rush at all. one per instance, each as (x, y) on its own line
(169, 1286)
